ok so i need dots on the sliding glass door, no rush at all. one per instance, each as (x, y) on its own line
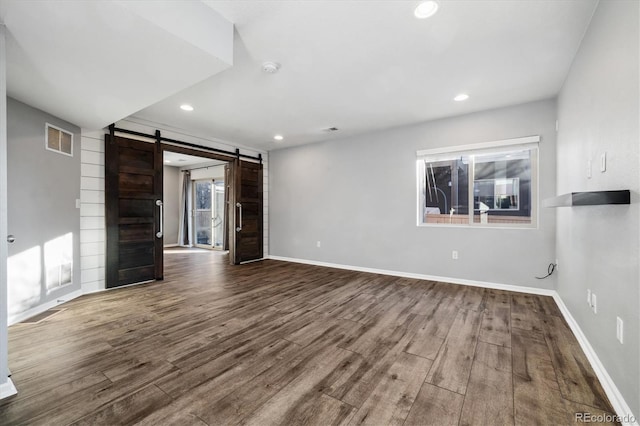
(209, 205)
(218, 214)
(202, 213)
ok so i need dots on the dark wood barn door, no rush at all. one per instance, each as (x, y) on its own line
(247, 187)
(133, 198)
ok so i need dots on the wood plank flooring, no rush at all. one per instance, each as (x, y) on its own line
(272, 343)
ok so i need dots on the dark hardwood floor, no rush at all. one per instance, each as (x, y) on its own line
(279, 343)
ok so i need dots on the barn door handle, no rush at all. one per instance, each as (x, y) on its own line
(239, 228)
(161, 206)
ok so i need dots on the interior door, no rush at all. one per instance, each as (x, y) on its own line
(247, 186)
(133, 200)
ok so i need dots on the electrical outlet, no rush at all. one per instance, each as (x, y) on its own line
(620, 330)
(589, 297)
(603, 162)
(594, 304)
(588, 169)
(454, 255)
(318, 244)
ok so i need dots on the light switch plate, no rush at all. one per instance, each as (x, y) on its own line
(620, 330)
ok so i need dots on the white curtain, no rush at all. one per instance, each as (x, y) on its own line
(186, 223)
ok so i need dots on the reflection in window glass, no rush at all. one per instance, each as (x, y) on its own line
(502, 187)
(501, 182)
(446, 190)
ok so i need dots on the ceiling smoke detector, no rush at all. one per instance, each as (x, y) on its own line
(270, 67)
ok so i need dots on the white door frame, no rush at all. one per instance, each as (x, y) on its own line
(6, 385)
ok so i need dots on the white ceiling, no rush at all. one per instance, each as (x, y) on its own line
(359, 66)
(95, 62)
(362, 66)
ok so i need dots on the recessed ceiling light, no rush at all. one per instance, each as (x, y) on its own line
(426, 9)
(461, 97)
(278, 137)
(167, 161)
(186, 107)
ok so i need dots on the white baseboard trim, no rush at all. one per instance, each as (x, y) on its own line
(615, 397)
(473, 283)
(7, 389)
(171, 245)
(13, 319)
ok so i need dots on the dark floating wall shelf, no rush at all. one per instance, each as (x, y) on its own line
(589, 198)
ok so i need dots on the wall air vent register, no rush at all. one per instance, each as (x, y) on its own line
(58, 140)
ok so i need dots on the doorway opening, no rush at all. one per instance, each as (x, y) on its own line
(195, 201)
(135, 205)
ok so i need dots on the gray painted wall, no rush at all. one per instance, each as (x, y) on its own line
(598, 247)
(171, 196)
(357, 196)
(42, 190)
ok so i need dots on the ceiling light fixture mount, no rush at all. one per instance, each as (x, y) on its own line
(186, 107)
(270, 67)
(461, 97)
(426, 9)
(278, 137)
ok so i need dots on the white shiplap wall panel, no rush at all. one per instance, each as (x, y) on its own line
(91, 235)
(89, 222)
(91, 249)
(93, 170)
(92, 157)
(92, 213)
(92, 183)
(265, 200)
(92, 196)
(93, 262)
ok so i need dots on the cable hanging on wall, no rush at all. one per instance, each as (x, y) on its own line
(550, 270)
